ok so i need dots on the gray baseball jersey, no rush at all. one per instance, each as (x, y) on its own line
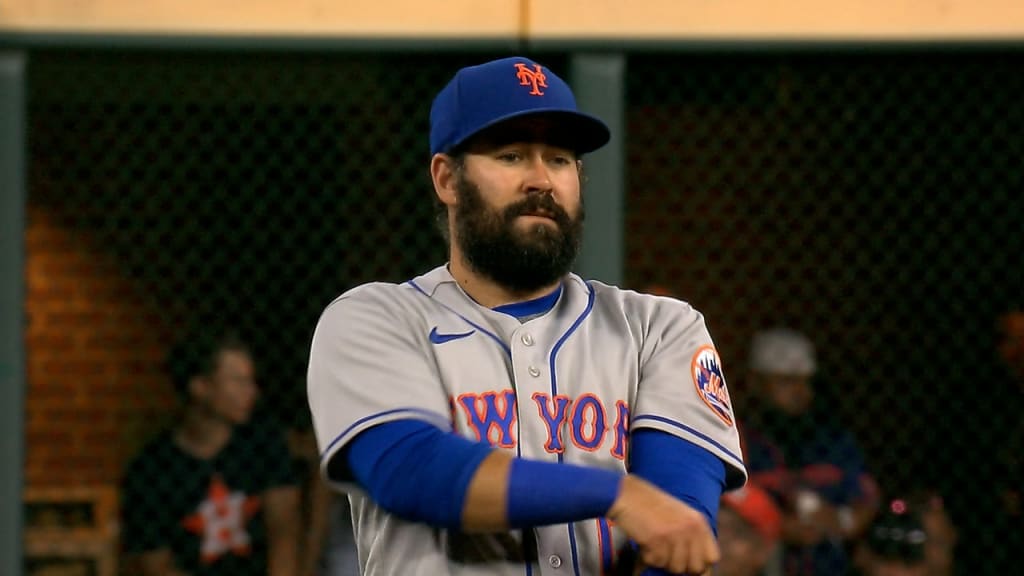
(567, 386)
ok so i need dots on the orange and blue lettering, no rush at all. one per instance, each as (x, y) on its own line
(621, 430)
(588, 413)
(553, 415)
(484, 414)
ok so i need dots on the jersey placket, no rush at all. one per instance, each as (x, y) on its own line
(543, 427)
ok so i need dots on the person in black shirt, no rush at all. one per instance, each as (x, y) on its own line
(216, 493)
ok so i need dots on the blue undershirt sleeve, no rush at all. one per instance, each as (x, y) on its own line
(415, 470)
(681, 468)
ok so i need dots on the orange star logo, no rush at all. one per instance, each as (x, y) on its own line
(220, 520)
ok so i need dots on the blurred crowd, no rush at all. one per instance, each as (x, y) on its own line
(813, 506)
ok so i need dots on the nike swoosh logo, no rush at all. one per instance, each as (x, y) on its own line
(442, 338)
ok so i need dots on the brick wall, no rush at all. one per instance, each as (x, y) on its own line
(94, 352)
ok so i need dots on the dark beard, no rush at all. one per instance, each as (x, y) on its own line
(521, 262)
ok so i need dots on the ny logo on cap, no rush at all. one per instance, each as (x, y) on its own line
(534, 78)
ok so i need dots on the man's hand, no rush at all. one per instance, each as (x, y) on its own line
(669, 534)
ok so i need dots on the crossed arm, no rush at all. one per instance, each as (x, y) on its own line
(466, 485)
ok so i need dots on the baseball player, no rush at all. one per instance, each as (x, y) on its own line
(499, 414)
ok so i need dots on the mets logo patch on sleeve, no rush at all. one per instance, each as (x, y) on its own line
(706, 369)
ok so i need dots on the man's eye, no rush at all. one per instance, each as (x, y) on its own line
(509, 156)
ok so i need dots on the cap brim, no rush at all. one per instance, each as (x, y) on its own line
(576, 131)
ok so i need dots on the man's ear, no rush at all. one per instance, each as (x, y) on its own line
(443, 174)
(580, 173)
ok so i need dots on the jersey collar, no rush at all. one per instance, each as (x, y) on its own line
(530, 308)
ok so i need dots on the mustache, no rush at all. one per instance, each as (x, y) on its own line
(538, 204)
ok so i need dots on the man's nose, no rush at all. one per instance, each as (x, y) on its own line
(538, 177)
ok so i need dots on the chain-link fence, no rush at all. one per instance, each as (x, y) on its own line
(868, 198)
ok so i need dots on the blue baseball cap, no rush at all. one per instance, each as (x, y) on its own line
(482, 96)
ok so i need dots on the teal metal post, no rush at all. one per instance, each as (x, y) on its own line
(599, 83)
(12, 301)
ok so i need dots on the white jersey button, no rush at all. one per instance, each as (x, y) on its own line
(533, 371)
(554, 561)
(527, 339)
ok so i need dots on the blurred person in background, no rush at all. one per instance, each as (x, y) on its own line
(215, 494)
(749, 524)
(329, 547)
(896, 543)
(981, 461)
(1007, 528)
(795, 449)
(1011, 460)
(339, 556)
(938, 526)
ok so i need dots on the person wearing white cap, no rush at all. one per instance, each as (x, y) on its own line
(782, 362)
(795, 450)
